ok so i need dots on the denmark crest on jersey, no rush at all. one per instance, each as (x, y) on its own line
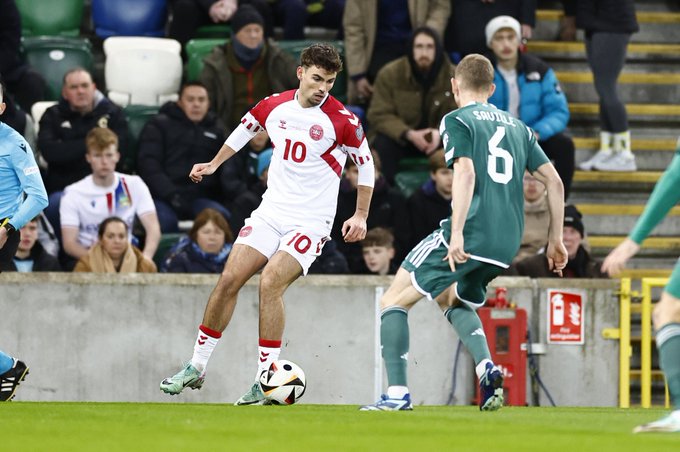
(316, 132)
(359, 132)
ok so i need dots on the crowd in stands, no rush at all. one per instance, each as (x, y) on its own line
(114, 197)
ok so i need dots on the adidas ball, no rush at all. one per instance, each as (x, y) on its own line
(283, 383)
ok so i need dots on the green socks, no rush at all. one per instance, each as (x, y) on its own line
(469, 328)
(394, 339)
(668, 344)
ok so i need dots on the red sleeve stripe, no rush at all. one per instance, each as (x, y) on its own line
(257, 129)
(250, 125)
(243, 120)
(332, 161)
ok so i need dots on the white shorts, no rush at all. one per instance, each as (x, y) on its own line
(268, 235)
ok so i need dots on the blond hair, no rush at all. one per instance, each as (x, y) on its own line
(474, 73)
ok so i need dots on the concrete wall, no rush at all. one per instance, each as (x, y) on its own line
(93, 337)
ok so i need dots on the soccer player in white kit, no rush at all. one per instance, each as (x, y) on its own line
(312, 135)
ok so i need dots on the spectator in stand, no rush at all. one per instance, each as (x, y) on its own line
(465, 28)
(26, 85)
(30, 255)
(246, 69)
(295, 14)
(608, 25)
(378, 252)
(410, 96)
(63, 127)
(431, 203)
(580, 264)
(528, 89)
(536, 218)
(378, 31)
(102, 194)
(183, 132)
(251, 198)
(113, 253)
(206, 248)
(388, 210)
(189, 15)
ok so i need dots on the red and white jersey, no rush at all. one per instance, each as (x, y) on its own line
(310, 146)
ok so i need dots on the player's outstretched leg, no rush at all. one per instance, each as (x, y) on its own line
(468, 326)
(667, 424)
(10, 379)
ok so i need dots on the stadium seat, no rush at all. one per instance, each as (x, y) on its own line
(414, 164)
(129, 17)
(213, 31)
(408, 181)
(142, 71)
(295, 48)
(53, 56)
(137, 116)
(168, 240)
(38, 109)
(50, 17)
(196, 50)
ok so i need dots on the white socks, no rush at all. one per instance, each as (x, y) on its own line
(622, 142)
(267, 352)
(205, 344)
(397, 392)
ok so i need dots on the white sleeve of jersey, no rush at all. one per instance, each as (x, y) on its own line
(245, 131)
(364, 161)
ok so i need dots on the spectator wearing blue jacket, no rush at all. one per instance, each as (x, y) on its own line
(528, 88)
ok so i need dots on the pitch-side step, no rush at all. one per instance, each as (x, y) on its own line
(613, 177)
(578, 49)
(656, 243)
(643, 144)
(618, 209)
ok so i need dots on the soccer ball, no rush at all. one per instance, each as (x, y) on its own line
(283, 383)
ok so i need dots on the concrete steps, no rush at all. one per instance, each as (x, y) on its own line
(658, 87)
(653, 154)
(556, 50)
(655, 26)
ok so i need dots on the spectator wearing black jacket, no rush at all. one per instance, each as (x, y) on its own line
(63, 128)
(183, 133)
(30, 255)
(431, 203)
(27, 85)
(388, 209)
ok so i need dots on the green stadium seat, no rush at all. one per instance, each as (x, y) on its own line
(196, 50)
(137, 116)
(213, 31)
(50, 17)
(295, 48)
(53, 56)
(409, 181)
(414, 164)
(168, 240)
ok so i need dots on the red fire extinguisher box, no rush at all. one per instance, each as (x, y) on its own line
(506, 332)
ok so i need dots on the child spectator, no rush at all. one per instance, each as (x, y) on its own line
(431, 203)
(30, 255)
(378, 252)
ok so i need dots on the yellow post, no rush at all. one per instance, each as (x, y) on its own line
(646, 345)
(625, 350)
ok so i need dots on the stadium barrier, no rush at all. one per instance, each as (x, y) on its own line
(636, 302)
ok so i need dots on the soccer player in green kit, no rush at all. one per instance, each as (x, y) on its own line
(666, 315)
(489, 151)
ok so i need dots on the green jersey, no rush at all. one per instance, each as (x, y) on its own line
(501, 148)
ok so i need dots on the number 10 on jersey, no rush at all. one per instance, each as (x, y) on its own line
(295, 151)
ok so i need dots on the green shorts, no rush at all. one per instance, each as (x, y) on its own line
(431, 275)
(673, 286)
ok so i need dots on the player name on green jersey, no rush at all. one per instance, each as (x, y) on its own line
(497, 116)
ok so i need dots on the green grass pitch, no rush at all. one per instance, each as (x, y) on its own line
(56, 426)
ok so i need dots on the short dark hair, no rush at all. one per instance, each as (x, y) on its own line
(213, 215)
(186, 85)
(321, 55)
(474, 73)
(378, 237)
(105, 223)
